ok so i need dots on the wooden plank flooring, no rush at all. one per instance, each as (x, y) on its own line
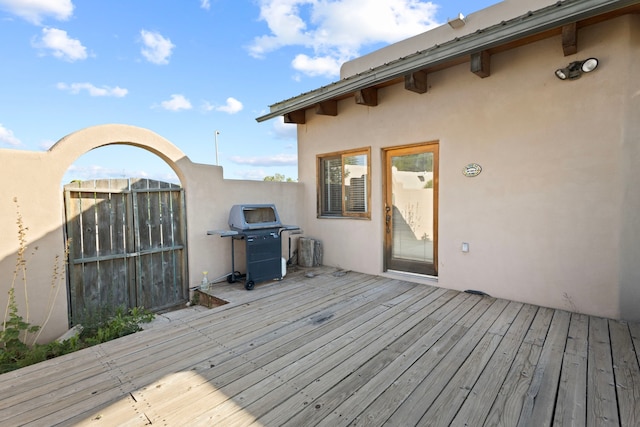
(332, 348)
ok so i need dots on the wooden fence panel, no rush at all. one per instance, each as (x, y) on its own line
(172, 237)
(154, 265)
(73, 208)
(112, 279)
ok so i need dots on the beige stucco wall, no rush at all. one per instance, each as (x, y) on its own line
(551, 219)
(35, 179)
(629, 161)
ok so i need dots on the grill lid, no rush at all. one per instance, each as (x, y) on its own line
(253, 217)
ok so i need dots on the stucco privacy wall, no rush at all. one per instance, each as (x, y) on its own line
(35, 179)
(553, 218)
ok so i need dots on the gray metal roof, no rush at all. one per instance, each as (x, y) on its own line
(534, 22)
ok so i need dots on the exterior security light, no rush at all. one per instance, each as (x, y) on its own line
(589, 65)
(575, 69)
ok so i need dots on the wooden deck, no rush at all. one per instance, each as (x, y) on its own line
(343, 348)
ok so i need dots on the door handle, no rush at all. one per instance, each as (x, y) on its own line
(388, 219)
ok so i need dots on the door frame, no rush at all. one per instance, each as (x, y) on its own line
(387, 209)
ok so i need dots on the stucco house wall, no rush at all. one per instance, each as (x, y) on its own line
(35, 179)
(551, 218)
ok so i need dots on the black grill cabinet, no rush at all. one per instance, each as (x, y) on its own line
(260, 227)
(263, 253)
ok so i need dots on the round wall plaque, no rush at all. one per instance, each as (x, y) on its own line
(471, 170)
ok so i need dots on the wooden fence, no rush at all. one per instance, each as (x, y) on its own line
(127, 246)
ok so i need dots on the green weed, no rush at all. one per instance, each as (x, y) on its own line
(18, 347)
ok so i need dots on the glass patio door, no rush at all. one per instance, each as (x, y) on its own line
(410, 209)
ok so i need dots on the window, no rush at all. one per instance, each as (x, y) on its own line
(344, 184)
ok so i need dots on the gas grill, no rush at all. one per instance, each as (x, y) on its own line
(260, 227)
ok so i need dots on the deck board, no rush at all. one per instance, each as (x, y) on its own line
(601, 393)
(454, 394)
(483, 392)
(341, 403)
(351, 356)
(434, 381)
(508, 405)
(334, 348)
(540, 399)
(627, 373)
(571, 406)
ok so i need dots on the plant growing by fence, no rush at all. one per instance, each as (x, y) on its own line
(18, 347)
(15, 354)
(15, 329)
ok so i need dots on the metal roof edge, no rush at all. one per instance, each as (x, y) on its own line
(549, 17)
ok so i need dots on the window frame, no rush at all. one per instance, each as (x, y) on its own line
(321, 160)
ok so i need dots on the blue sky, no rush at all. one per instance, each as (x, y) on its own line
(185, 69)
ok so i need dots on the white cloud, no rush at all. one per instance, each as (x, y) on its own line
(75, 88)
(7, 137)
(251, 174)
(207, 106)
(176, 103)
(35, 11)
(233, 106)
(286, 25)
(205, 4)
(46, 144)
(336, 30)
(61, 45)
(275, 160)
(284, 130)
(156, 49)
(325, 66)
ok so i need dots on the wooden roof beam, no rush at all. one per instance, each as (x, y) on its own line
(570, 39)
(298, 117)
(327, 108)
(367, 96)
(481, 64)
(416, 81)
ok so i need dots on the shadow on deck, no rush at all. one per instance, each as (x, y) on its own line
(326, 347)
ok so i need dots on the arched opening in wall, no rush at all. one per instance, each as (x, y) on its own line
(120, 161)
(125, 224)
